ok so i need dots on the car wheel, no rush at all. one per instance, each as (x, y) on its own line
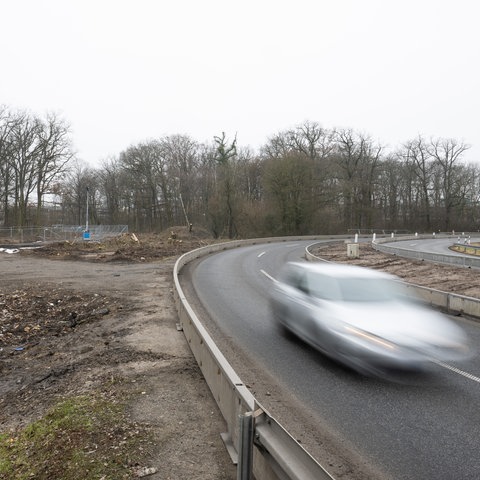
(280, 324)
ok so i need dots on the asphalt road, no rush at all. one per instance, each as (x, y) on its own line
(438, 246)
(425, 427)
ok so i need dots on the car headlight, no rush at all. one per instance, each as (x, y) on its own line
(362, 335)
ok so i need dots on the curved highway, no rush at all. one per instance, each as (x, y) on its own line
(438, 246)
(427, 426)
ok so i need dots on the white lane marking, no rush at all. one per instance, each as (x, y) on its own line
(268, 276)
(457, 370)
(261, 254)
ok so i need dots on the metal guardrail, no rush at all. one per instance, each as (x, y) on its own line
(257, 443)
(444, 258)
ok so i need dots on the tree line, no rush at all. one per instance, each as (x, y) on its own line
(304, 180)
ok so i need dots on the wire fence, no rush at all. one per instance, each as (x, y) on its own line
(58, 233)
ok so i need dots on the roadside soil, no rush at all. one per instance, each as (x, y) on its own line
(76, 317)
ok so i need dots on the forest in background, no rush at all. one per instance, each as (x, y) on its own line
(301, 181)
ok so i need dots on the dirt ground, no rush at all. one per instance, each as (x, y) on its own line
(78, 317)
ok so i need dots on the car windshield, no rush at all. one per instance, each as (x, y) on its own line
(354, 289)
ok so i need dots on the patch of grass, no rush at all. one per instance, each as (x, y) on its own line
(85, 437)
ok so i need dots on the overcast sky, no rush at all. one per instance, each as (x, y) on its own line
(121, 72)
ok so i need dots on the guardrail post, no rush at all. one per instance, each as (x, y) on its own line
(245, 447)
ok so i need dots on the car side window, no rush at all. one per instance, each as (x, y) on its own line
(323, 287)
(290, 277)
(296, 279)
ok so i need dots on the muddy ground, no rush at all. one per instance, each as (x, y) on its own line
(77, 317)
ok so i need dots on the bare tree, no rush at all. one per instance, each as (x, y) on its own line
(141, 164)
(389, 196)
(447, 154)
(314, 141)
(357, 158)
(8, 121)
(181, 158)
(33, 155)
(54, 152)
(288, 181)
(308, 138)
(277, 146)
(111, 185)
(23, 161)
(316, 144)
(224, 207)
(80, 182)
(416, 154)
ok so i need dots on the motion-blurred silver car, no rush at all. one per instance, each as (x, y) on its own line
(363, 318)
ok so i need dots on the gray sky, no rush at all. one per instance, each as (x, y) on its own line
(125, 71)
